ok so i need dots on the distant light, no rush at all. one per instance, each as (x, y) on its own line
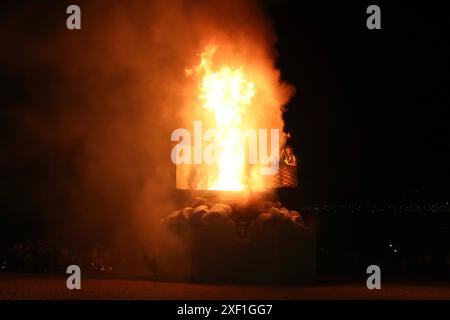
(390, 245)
(395, 250)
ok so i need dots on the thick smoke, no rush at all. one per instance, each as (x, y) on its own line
(89, 113)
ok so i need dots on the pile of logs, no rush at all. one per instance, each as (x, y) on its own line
(207, 212)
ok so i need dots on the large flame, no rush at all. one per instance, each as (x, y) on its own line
(226, 92)
(240, 95)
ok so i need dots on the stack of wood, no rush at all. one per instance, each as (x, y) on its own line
(206, 212)
(261, 242)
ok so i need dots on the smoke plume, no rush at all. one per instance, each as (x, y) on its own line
(88, 113)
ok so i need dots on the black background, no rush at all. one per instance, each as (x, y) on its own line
(370, 118)
(369, 121)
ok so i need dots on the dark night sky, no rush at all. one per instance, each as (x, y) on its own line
(370, 117)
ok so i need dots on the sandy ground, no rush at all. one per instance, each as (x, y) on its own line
(29, 286)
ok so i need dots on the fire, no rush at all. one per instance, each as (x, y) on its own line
(227, 93)
(240, 97)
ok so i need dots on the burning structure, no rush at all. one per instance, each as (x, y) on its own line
(232, 228)
(168, 62)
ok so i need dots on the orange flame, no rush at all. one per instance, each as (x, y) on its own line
(226, 92)
(236, 94)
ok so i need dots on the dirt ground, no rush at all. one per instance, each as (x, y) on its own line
(30, 286)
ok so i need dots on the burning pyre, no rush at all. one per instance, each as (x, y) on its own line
(235, 231)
